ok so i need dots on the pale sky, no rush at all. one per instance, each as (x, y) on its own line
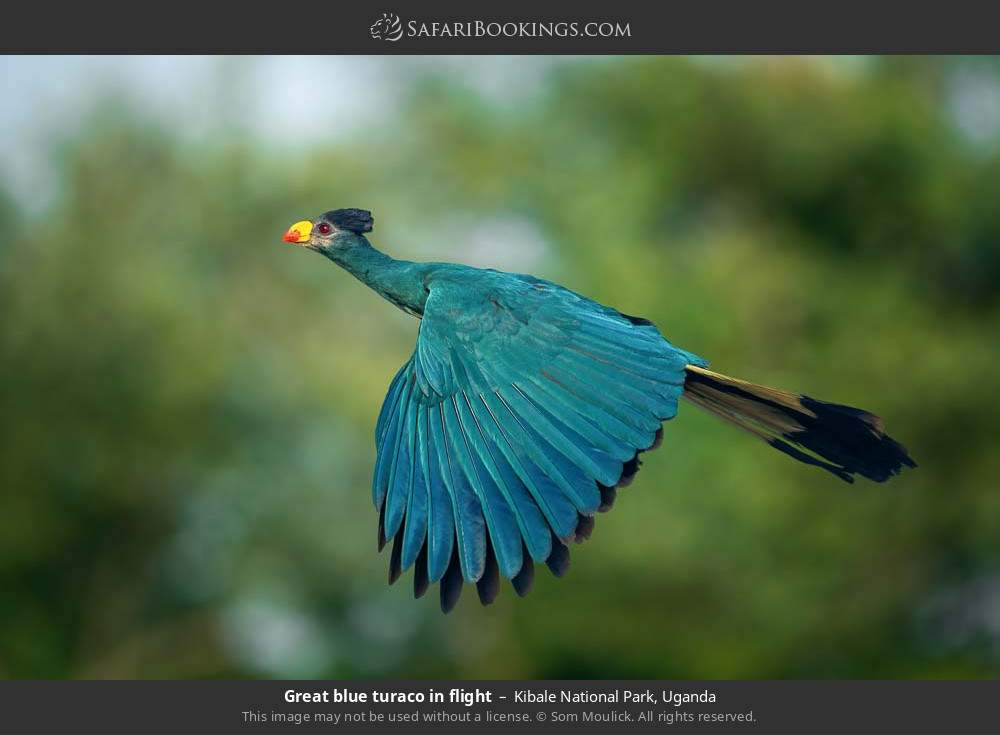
(283, 100)
(44, 98)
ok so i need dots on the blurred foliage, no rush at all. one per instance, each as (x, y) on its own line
(187, 405)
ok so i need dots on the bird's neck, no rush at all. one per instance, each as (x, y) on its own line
(398, 281)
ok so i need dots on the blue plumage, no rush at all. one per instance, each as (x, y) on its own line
(522, 399)
(523, 407)
(441, 526)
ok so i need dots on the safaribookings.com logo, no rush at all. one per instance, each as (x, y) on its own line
(387, 28)
(390, 28)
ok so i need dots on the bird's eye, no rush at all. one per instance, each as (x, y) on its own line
(323, 228)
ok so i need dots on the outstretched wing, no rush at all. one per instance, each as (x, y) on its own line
(521, 410)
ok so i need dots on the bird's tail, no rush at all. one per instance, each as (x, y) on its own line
(843, 440)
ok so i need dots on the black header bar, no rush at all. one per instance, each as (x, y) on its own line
(513, 27)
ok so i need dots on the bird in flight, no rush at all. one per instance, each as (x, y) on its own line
(525, 405)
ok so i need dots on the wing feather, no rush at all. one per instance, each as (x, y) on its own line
(591, 461)
(419, 499)
(578, 487)
(391, 401)
(469, 524)
(522, 408)
(400, 463)
(440, 516)
(386, 454)
(531, 521)
(500, 521)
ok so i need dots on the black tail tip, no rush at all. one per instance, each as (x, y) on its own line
(852, 440)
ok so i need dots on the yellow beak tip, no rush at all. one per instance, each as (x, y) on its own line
(299, 232)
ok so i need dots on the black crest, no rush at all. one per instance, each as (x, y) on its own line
(355, 220)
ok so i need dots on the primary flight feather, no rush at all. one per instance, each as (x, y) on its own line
(525, 405)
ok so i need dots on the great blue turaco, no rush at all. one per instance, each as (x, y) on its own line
(525, 406)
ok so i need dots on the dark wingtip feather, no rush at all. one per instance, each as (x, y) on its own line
(523, 579)
(381, 527)
(420, 580)
(395, 559)
(629, 470)
(608, 495)
(451, 583)
(584, 527)
(488, 586)
(637, 320)
(558, 561)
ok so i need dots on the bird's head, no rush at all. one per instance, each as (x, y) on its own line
(336, 228)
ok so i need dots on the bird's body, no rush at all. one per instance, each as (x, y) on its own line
(523, 407)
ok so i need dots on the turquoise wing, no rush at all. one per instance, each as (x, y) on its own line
(523, 408)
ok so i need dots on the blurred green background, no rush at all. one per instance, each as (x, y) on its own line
(187, 404)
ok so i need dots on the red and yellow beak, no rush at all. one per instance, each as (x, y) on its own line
(299, 232)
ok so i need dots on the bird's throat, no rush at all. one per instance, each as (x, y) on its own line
(400, 282)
